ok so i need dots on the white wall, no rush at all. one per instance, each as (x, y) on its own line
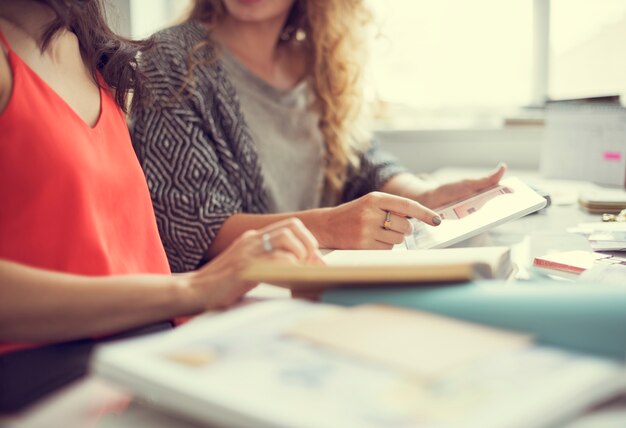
(118, 16)
(140, 18)
(426, 151)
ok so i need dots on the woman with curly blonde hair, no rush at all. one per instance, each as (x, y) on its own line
(256, 117)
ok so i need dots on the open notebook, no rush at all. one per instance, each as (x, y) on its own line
(288, 363)
(346, 268)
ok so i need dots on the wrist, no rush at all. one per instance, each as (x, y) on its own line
(407, 186)
(316, 221)
(183, 295)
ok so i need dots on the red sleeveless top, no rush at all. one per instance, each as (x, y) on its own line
(73, 198)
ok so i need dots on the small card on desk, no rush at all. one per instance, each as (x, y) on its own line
(571, 264)
(575, 262)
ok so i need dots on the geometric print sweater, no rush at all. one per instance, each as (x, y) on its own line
(196, 151)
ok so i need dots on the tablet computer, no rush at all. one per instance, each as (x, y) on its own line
(509, 200)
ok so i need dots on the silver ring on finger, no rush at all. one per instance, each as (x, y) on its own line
(266, 240)
(387, 222)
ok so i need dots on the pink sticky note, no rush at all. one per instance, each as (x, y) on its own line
(612, 156)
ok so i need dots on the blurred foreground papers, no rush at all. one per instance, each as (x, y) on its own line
(581, 317)
(253, 366)
(418, 343)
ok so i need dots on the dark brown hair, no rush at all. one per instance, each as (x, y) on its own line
(104, 52)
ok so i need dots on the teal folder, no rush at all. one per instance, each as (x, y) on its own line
(586, 318)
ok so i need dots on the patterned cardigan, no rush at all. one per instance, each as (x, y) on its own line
(196, 151)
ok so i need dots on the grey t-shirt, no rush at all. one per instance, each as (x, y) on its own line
(285, 130)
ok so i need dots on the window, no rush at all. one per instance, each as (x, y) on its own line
(141, 18)
(149, 16)
(468, 63)
(451, 63)
(588, 48)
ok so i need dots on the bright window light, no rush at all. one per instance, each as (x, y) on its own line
(150, 16)
(452, 53)
(588, 48)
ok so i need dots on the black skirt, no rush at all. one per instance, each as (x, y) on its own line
(29, 375)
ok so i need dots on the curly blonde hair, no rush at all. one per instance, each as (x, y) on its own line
(333, 36)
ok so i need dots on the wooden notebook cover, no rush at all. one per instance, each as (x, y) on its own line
(376, 267)
(316, 277)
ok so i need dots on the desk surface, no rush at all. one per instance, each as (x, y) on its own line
(94, 402)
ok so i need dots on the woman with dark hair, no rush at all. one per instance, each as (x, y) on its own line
(257, 118)
(80, 255)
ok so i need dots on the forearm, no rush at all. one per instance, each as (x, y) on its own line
(314, 220)
(410, 186)
(44, 306)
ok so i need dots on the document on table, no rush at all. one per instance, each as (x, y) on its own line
(608, 236)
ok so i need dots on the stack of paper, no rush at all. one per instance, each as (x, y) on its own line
(603, 200)
(609, 236)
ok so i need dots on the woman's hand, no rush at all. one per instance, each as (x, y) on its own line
(217, 285)
(458, 190)
(375, 221)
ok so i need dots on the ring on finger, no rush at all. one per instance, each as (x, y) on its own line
(266, 240)
(387, 222)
